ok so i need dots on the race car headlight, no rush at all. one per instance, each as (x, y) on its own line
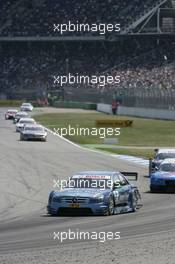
(56, 199)
(97, 199)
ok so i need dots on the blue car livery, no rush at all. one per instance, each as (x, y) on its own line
(97, 193)
(160, 156)
(164, 178)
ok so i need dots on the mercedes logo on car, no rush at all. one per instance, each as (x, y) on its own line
(74, 200)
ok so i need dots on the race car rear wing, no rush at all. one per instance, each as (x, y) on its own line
(130, 174)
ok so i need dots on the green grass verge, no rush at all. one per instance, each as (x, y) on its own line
(12, 103)
(145, 132)
(142, 153)
(18, 103)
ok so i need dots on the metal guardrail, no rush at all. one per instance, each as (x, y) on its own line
(155, 98)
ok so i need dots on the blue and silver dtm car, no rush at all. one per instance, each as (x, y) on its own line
(163, 179)
(159, 157)
(96, 192)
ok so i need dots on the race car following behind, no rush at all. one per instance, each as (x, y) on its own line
(164, 178)
(23, 122)
(160, 155)
(26, 107)
(18, 116)
(97, 193)
(10, 114)
(33, 132)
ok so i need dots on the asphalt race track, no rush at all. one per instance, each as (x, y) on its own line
(27, 170)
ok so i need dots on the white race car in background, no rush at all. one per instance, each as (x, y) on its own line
(33, 132)
(23, 122)
(26, 107)
(18, 116)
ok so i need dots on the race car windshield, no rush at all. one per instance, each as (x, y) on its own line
(20, 116)
(169, 167)
(27, 104)
(34, 128)
(27, 122)
(89, 183)
(163, 156)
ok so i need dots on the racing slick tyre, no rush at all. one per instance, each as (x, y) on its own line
(134, 200)
(110, 210)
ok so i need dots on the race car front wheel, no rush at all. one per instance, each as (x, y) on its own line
(110, 210)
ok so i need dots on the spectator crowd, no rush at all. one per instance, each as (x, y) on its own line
(36, 17)
(144, 66)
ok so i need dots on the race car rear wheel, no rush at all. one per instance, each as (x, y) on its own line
(134, 200)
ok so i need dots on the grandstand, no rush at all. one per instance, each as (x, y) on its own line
(35, 18)
(143, 54)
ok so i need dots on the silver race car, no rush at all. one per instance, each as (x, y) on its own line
(33, 132)
(18, 116)
(23, 122)
(26, 107)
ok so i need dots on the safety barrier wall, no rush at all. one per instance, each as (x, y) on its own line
(139, 112)
(64, 104)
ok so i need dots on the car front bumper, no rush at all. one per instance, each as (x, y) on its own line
(9, 117)
(95, 209)
(34, 137)
(162, 183)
